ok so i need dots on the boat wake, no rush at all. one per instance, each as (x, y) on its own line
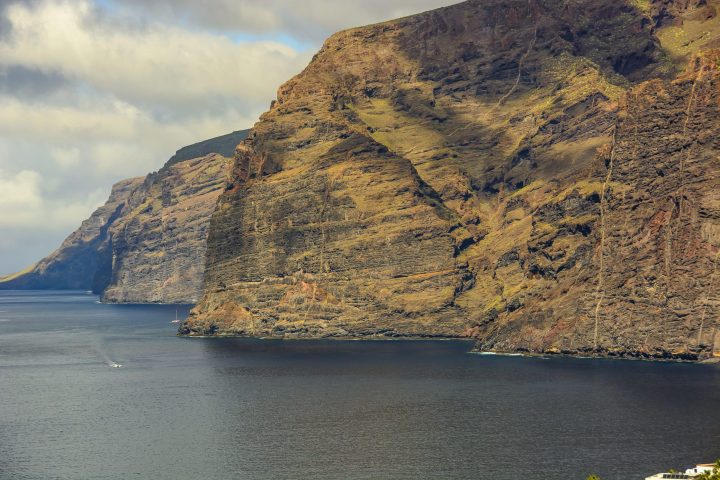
(107, 359)
(500, 354)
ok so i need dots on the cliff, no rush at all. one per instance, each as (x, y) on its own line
(147, 243)
(158, 242)
(538, 175)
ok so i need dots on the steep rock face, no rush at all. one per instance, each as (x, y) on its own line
(147, 243)
(530, 174)
(159, 241)
(643, 282)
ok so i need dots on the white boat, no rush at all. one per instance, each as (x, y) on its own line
(177, 320)
(115, 365)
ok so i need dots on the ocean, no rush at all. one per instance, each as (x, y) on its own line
(206, 409)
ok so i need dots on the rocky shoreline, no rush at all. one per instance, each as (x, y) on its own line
(660, 356)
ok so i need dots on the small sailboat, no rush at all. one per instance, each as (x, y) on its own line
(177, 320)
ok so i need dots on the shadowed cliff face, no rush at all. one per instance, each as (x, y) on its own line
(147, 243)
(534, 174)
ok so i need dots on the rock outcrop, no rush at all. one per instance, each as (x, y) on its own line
(147, 243)
(538, 175)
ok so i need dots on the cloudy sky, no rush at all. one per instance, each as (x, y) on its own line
(92, 92)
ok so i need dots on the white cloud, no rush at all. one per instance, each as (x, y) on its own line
(19, 197)
(307, 20)
(66, 157)
(155, 63)
(53, 123)
(23, 204)
(106, 136)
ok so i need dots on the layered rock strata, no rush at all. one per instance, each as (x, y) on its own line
(540, 176)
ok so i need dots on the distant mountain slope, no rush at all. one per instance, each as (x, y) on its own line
(539, 175)
(158, 242)
(223, 145)
(147, 243)
(83, 261)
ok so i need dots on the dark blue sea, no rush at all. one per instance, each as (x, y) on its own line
(206, 409)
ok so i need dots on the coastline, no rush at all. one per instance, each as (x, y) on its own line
(666, 357)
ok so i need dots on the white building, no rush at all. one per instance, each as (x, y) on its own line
(702, 468)
(689, 473)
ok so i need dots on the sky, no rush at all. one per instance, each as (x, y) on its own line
(95, 91)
